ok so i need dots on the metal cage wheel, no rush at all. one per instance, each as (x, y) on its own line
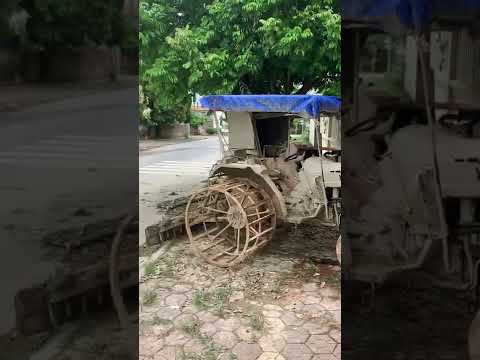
(228, 221)
(338, 249)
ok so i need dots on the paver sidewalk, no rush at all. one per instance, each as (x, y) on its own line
(278, 306)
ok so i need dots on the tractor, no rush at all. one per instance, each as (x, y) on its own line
(411, 130)
(281, 163)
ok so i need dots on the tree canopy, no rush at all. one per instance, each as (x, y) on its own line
(70, 23)
(235, 47)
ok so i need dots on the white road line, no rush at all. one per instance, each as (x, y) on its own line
(188, 162)
(62, 164)
(61, 148)
(18, 155)
(197, 173)
(92, 138)
(72, 152)
(186, 167)
(51, 142)
(177, 168)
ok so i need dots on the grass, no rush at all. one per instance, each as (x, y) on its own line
(158, 321)
(145, 250)
(149, 297)
(256, 320)
(334, 279)
(192, 328)
(167, 265)
(201, 299)
(309, 269)
(216, 300)
(210, 352)
(279, 282)
(150, 268)
(192, 356)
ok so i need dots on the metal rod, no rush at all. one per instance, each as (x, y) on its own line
(214, 244)
(223, 253)
(260, 219)
(207, 232)
(261, 233)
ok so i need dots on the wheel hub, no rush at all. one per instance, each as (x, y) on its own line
(235, 216)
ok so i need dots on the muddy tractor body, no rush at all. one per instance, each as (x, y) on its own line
(266, 176)
(412, 134)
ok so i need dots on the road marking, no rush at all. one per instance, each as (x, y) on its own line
(190, 168)
(75, 152)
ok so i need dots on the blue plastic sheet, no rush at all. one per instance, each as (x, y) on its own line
(424, 11)
(310, 106)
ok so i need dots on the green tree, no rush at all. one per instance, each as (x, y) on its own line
(163, 77)
(237, 46)
(267, 46)
(7, 7)
(63, 23)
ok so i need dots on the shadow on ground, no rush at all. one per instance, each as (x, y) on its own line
(404, 323)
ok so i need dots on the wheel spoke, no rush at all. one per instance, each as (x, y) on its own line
(221, 232)
(206, 233)
(225, 252)
(216, 210)
(243, 198)
(238, 240)
(218, 242)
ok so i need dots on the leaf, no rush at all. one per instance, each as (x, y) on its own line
(222, 46)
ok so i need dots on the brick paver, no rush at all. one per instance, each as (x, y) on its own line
(242, 314)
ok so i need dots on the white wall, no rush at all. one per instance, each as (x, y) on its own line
(241, 133)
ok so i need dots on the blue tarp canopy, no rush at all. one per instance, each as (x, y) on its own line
(310, 106)
(424, 11)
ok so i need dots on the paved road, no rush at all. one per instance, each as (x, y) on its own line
(171, 171)
(55, 159)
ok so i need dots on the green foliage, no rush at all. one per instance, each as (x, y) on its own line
(149, 297)
(256, 321)
(163, 25)
(211, 131)
(197, 120)
(191, 328)
(217, 299)
(145, 112)
(150, 268)
(7, 7)
(76, 22)
(236, 46)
